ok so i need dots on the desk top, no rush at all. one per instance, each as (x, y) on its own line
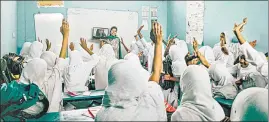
(94, 94)
(74, 115)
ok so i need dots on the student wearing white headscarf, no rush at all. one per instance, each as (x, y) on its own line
(35, 50)
(250, 105)
(35, 72)
(53, 79)
(197, 103)
(25, 49)
(252, 56)
(78, 71)
(107, 58)
(207, 51)
(151, 55)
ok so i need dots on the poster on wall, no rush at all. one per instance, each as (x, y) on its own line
(195, 21)
(50, 3)
(153, 12)
(145, 11)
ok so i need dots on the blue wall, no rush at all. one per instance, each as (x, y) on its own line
(221, 16)
(27, 9)
(8, 26)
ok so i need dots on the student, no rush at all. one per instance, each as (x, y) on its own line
(35, 72)
(132, 98)
(252, 56)
(107, 58)
(78, 71)
(208, 52)
(197, 103)
(35, 50)
(225, 51)
(55, 68)
(25, 49)
(250, 105)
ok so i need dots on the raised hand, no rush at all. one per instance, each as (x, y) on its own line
(240, 26)
(71, 46)
(65, 28)
(195, 44)
(83, 43)
(140, 53)
(253, 43)
(158, 33)
(91, 47)
(139, 29)
(48, 43)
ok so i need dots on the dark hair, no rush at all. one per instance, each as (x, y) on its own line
(113, 27)
(189, 58)
(152, 36)
(14, 66)
(266, 54)
(238, 59)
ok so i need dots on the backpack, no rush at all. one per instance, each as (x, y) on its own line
(16, 97)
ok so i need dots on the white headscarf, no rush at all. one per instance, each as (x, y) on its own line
(207, 51)
(35, 72)
(128, 96)
(85, 55)
(220, 74)
(182, 44)
(132, 57)
(36, 50)
(107, 58)
(177, 55)
(53, 80)
(25, 49)
(250, 105)
(197, 103)
(134, 48)
(151, 47)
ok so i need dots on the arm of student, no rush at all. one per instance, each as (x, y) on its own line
(203, 59)
(83, 44)
(237, 31)
(157, 60)
(139, 32)
(65, 32)
(125, 47)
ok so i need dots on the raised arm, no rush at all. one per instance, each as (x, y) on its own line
(65, 32)
(170, 43)
(157, 60)
(238, 29)
(83, 44)
(200, 56)
(125, 47)
(48, 43)
(139, 31)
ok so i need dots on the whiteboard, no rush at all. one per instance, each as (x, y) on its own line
(47, 25)
(81, 22)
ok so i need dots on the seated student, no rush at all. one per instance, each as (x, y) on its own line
(55, 70)
(252, 56)
(78, 71)
(208, 52)
(132, 98)
(197, 103)
(225, 50)
(35, 50)
(107, 58)
(35, 72)
(25, 49)
(250, 105)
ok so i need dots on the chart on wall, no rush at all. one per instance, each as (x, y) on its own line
(195, 21)
(82, 21)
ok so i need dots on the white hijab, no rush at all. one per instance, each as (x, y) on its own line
(133, 57)
(35, 50)
(182, 44)
(197, 103)
(53, 81)
(107, 58)
(250, 105)
(85, 55)
(177, 55)
(220, 74)
(25, 49)
(35, 72)
(207, 51)
(127, 97)
(134, 48)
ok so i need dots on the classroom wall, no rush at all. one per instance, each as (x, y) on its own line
(27, 9)
(8, 26)
(221, 16)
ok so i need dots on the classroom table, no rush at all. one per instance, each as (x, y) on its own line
(74, 115)
(94, 95)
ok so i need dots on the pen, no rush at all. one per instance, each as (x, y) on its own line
(91, 113)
